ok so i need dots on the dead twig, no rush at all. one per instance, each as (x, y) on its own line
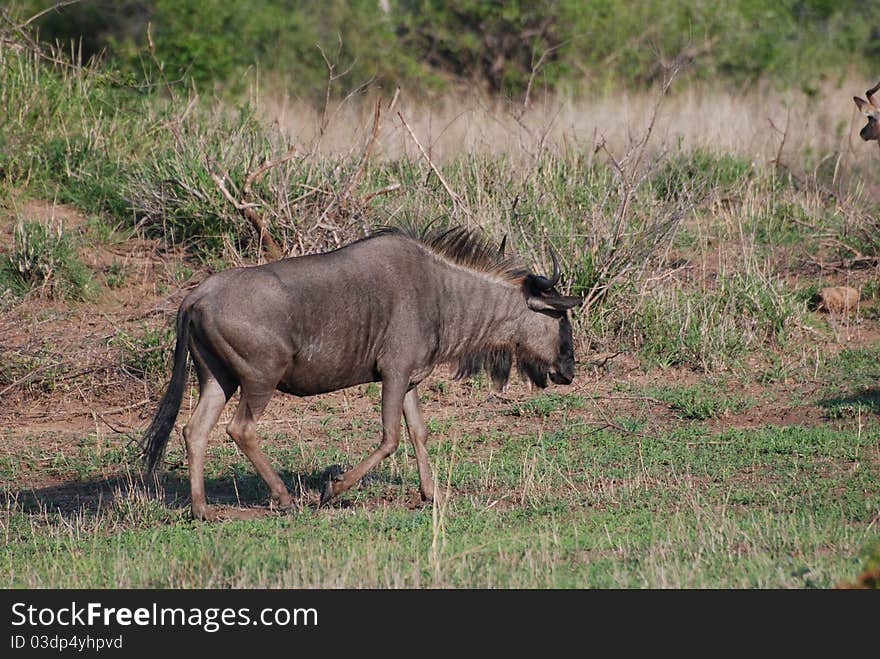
(331, 78)
(603, 359)
(255, 175)
(457, 202)
(377, 112)
(540, 62)
(375, 193)
(30, 375)
(248, 209)
(18, 36)
(622, 250)
(777, 161)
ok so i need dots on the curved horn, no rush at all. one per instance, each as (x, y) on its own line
(546, 284)
(502, 247)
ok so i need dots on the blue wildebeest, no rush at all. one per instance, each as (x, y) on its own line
(388, 308)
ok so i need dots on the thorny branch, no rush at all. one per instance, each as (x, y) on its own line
(17, 36)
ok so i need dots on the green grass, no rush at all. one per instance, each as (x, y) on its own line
(699, 402)
(852, 391)
(146, 354)
(712, 328)
(722, 173)
(544, 404)
(772, 507)
(44, 258)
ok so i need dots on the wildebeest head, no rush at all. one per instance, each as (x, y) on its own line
(871, 130)
(542, 346)
(547, 347)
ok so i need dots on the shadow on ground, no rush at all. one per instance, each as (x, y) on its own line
(867, 399)
(93, 495)
(245, 491)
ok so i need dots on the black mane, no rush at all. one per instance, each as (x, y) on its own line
(464, 247)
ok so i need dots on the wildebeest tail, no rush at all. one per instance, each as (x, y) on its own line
(156, 436)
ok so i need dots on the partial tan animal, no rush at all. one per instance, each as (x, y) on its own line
(871, 110)
(837, 299)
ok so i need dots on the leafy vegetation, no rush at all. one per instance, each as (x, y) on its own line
(505, 46)
(546, 403)
(699, 402)
(145, 355)
(714, 328)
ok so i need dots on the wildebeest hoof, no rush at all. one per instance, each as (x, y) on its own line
(332, 474)
(206, 514)
(326, 493)
(282, 508)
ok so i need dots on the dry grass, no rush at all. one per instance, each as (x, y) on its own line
(751, 124)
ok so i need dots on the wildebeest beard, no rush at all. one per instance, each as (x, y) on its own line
(498, 362)
(565, 361)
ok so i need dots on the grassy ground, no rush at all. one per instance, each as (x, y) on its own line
(722, 430)
(556, 501)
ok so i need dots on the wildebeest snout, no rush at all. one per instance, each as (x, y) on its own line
(871, 130)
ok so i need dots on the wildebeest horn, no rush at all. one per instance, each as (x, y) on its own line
(546, 284)
(502, 246)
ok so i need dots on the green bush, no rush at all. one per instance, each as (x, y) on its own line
(146, 355)
(76, 171)
(65, 132)
(44, 258)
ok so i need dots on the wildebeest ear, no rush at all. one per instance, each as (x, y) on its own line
(866, 107)
(554, 302)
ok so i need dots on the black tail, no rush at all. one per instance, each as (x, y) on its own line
(156, 436)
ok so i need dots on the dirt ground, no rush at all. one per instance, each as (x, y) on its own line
(69, 378)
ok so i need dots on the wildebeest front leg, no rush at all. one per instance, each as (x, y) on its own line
(393, 392)
(418, 434)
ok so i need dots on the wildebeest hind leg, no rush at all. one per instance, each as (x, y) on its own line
(212, 398)
(418, 434)
(243, 430)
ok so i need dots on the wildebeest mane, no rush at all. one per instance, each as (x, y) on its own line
(462, 246)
